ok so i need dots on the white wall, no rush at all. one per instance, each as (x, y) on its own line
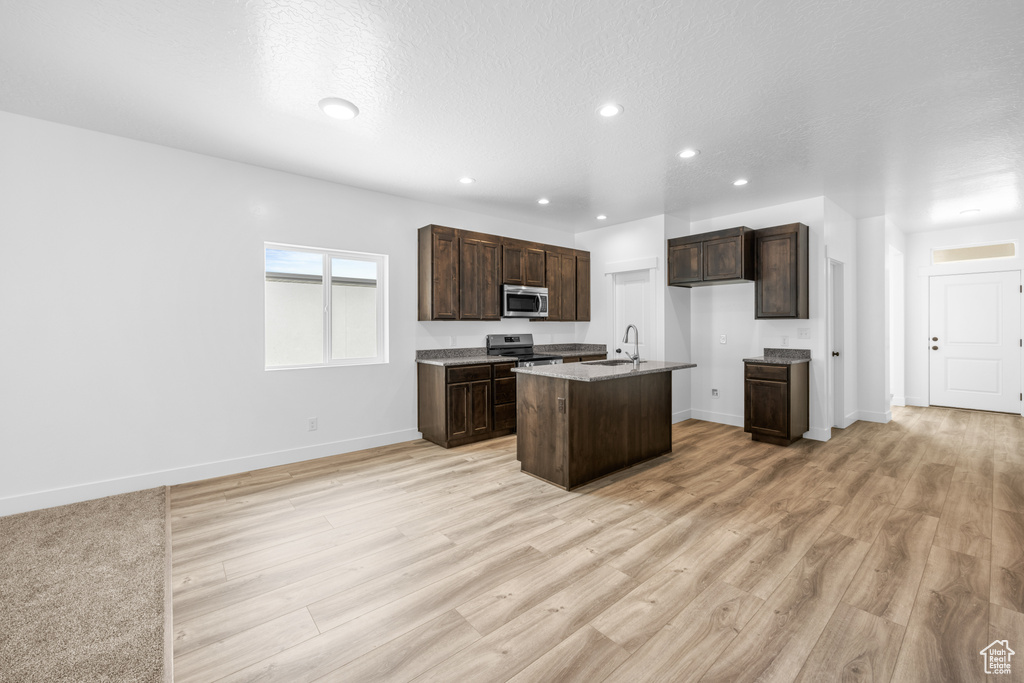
(918, 262)
(729, 310)
(841, 244)
(153, 372)
(873, 314)
(678, 329)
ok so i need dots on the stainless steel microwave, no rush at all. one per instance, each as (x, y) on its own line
(524, 302)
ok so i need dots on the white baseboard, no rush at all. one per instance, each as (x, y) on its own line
(682, 415)
(109, 487)
(899, 400)
(818, 434)
(915, 401)
(720, 418)
(870, 416)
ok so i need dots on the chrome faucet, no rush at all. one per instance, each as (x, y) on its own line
(635, 356)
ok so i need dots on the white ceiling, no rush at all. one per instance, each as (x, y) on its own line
(910, 108)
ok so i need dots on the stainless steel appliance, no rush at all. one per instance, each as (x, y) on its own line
(520, 348)
(524, 302)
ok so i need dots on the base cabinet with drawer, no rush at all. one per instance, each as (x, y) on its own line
(465, 403)
(776, 402)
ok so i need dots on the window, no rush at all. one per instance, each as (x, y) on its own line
(974, 253)
(313, 320)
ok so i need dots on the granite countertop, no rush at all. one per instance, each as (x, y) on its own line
(782, 357)
(477, 355)
(589, 372)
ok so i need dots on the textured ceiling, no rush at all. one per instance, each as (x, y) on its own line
(914, 109)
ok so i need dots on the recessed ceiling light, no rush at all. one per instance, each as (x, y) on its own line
(609, 110)
(467, 180)
(542, 201)
(689, 153)
(740, 182)
(337, 108)
(602, 217)
(966, 212)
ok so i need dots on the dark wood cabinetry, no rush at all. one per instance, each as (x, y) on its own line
(466, 403)
(582, 286)
(780, 289)
(523, 263)
(713, 258)
(584, 359)
(438, 273)
(776, 402)
(574, 432)
(561, 283)
(479, 277)
(461, 274)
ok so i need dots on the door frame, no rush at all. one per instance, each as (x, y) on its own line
(654, 336)
(835, 327)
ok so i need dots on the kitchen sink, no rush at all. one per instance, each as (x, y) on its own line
(617, 361)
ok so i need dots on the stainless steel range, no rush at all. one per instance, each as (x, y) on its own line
(520, 348)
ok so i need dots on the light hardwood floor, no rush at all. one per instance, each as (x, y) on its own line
(892, 552)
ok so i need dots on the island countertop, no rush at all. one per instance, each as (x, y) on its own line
(594, 372)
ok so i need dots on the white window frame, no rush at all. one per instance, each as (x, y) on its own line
(383, 344)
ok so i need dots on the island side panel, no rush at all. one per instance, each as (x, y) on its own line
(604, 428)
(655, 415)
(541, 430)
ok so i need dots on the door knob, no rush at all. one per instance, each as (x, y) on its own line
(935, 339)
(935, 348)
(835, 353)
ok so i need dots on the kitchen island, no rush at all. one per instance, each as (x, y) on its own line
(580, 422)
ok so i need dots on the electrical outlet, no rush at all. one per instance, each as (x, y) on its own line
(311, 424)
(451, 342)
(785, 340)
(803, 333)
(714, 393)
(722, 339)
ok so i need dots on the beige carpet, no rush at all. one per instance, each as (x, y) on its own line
(82, 591)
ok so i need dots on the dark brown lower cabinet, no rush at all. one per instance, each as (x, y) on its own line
(776, 402)
(572, 432)
(466, 403)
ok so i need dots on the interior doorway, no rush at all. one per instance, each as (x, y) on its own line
(975, 331)
(836, 337)
(632, 304)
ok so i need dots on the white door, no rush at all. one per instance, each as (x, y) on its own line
(632, 300)
(837, 336)
(975, 341)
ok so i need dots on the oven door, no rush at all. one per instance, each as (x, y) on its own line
(525, 302)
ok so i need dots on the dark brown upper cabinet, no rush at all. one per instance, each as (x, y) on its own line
(523, 263)
(438, 273)
(560, 269)
(712, 258)
(582, 285)
(479, 277)
(780, 288)
(461, 274)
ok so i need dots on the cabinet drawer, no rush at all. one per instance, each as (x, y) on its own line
(505, 416)
(585, 359)
(469, 373)
(505, 390)
(570, 359)
(503, 370)
(778, 373)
